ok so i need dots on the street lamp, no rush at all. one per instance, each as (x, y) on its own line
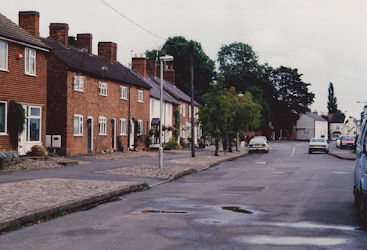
(166, 58)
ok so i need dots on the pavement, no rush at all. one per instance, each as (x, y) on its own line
(33, 195)
(344, 154)
(286, 199)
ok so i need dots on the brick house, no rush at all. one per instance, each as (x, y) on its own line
(151, 70)
(23, 78)
(169, 103)
(93, 100)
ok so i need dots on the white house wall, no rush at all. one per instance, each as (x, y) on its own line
(321, 129)
(305, 128)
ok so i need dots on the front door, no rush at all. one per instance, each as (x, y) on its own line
(131, 136)
(90, 135)
(113, 133)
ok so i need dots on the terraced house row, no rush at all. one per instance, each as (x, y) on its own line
(79, 102)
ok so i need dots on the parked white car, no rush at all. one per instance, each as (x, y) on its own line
(258, 143)
(318, 144)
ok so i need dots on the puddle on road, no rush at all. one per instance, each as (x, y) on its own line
(237, 210)
(155, 211)
(244, 188)
(340, 173)
(289, 240)
(309, 225)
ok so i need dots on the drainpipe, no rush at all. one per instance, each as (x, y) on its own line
(129, 117)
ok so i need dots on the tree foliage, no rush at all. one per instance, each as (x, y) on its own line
(225, 113)
(291, 96)
(332, 106)
(178, 47)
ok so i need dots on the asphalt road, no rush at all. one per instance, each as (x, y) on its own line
(286, 199)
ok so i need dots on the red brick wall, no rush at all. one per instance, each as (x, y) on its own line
(15, 85)
(141, 111)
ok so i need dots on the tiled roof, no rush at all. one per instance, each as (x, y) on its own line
(92, 64)
(10, 30)
(337, 118)
(315, 116)
(155, 90)
(172, 89)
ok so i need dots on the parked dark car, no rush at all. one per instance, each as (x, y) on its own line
(347, 142)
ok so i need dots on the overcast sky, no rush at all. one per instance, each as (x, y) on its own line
(325, 39)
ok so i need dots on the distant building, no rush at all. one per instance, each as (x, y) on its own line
(337, 122)
(311, 125)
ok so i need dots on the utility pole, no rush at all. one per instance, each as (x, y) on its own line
(191, 49)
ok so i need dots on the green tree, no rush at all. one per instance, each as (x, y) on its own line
(239, 67)
(291, 97)
(246, 114)
(332, 106)
(216, 114)
(204, 72)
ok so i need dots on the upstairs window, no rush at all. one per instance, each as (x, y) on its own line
(78, 125)
(3, 55)
(102, 125)
(123, 92)
(79, 83)
(103, 88)
(3, 117)
(140, 96)
(30, 61)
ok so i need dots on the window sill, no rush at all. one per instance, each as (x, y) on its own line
(3, 134)
(140, 101)
(32, 75)
(103, 95)
(78, 135)
(4, 70)
(103, 134)
(123, 134)
(80, 91)
(125, 99)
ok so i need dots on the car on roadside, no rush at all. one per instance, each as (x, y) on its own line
(347, 142)
(318, 145)
(258, 143)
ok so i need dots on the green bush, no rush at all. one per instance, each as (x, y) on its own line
(172, 144)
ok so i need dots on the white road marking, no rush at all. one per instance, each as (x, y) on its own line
(293, 151)
(260, 162)
(289, 240)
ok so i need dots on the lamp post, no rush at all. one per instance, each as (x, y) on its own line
(166, 58)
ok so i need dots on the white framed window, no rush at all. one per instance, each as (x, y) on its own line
(78, 125)
(140, 96)
(103, 88)
(3, 55)
(102, 121)
(3, 117)
(33, 123)
(123, 92)
(122, 126)
(141, 127)
(30, 61)
(183, 109)
(79, 83)
(189, 111)
(151, 105)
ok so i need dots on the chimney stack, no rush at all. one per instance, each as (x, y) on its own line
(60, 32)
(108, 50)
(84, 41)
(29, 21)
(139, 64)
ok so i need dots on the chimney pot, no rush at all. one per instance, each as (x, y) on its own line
(29, 21)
